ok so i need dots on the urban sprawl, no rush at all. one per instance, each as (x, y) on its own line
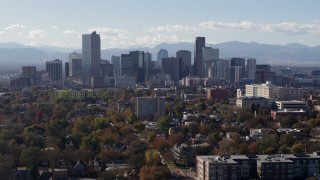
(135, 118)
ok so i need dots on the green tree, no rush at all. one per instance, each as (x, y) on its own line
(163, 123)
(31, 156)
(298, 148)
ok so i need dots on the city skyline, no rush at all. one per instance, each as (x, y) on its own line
(125, 23)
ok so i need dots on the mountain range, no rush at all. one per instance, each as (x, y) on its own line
(14, 55)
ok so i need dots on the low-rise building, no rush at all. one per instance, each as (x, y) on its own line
(125, 81)
(245, 101)
(291, 104)
(73, 94)
(183, 154)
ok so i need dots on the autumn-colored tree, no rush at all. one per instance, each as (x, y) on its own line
(154, 173)
(298, 148)
(152, 157)
(175, 138)
(160, 144)
(286, 139)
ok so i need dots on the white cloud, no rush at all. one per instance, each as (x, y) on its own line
(171, 28)
(156, 39)
(34, 43)
(291, 27)
(282, 27)
(36, 34)
(108, 31)
(211, 25)
(54, 27)
(71, 32)
(114, 37)
(15, 27)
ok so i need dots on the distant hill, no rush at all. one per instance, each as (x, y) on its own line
(14, 55)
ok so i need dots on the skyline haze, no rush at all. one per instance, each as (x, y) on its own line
(124, 23)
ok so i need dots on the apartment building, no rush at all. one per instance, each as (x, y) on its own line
(278, 166)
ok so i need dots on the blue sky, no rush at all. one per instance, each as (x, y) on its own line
(124, 23)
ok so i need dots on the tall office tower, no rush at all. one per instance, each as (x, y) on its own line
(54, 70)
(209, 61)
(106, 68)
(162, 54)
(223, 69)
(235, 74)
(73, 56)
(147, 59)
(171, 67)
(138, 65)
(184, 58)
(200, 43)
(29, 71)
(137, 59)
(115, 61)
(265, 67)
(126, 66)
(90, 56)
(251, 68)
(239, 62)
(66, 69)
(262, 73)
(147, 64)
(75, 69)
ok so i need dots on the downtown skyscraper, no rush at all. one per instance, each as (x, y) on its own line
(91, 56)
(200, 43)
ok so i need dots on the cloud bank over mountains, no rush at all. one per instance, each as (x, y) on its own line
(115, 37)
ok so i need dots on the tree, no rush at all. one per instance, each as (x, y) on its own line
(213, 138)
(31, 156)
(152, 157)
(274, 106)
(286, 139)
(298, 148)
(288, 121)
(154, 173)
(6, 166)
(160, 144)
(164, 123)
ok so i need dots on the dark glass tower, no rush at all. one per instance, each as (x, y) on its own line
(200, 43)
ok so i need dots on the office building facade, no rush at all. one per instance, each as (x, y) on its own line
(163, 53)
(171, 67)
(184, 58)
(54, 70)
(147, 106)
(199, 44)
(91, 55)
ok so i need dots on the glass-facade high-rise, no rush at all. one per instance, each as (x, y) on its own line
(91, 56)
(200, 43)
(162, 54)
